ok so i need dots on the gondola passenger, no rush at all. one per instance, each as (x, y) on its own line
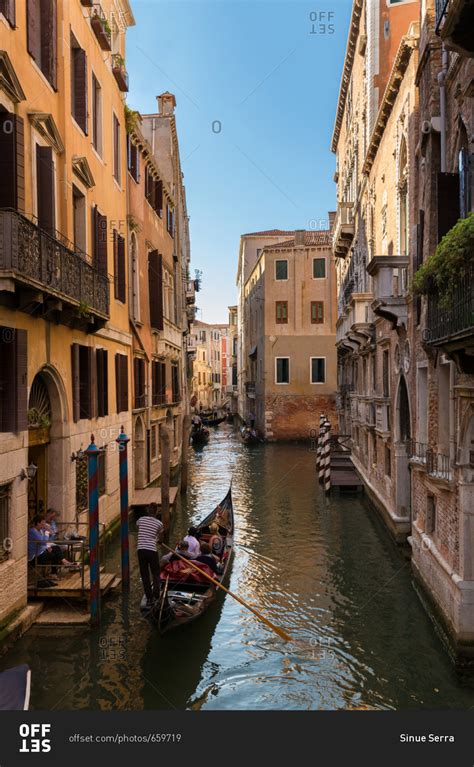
(193, 544)
(207, 558)
(216, 542)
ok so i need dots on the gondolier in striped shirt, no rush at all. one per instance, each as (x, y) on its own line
(150, 531)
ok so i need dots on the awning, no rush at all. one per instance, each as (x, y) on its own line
(253, 352)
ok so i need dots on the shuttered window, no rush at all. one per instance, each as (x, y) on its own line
(45, 188)
(79, 85)
(317, 312)
(96, 115)
(158, 382)
(170, 220)
(102, 383)
(12, 162)
(121, 382)
(99, 240)
(133, 160)
(175, 389)
(7, 7)
(155, 289)
(84, 382)
(281, 312)
(116, 148)
(41, 25)
(139, 370)
(119, 266)
(13, 380)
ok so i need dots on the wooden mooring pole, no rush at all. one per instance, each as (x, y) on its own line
(92, 453)
(185, 452)
(122, 441)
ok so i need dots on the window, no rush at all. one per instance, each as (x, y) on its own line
(318, 370)
(158, 382)
(116, 138)
(154, 441)
(121, 382)
(175, 383)
(79, 219)
(13, 380)
(84, 393)
(388, 461)
(155, 289)
(281, 269)
(102, 382)
(41, 31)
(444, 409)
(96, 115)
(119, 266)
(133, 159)
(99, 241)
(12, 162)
(79, 84)
(7, 7)
(282, 370)
(170, 220)
(139, 376)
(5, 529)
(422, 405)
(319, 268)
(386, 373)
(175, 431)
(199, 378)
(154, 191)
(430, 526)
(45, 192)
(317, 312)
(281, 312)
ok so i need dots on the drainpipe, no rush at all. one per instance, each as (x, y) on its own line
(153, 129)
(442, 106)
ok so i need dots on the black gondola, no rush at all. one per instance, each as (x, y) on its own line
(249, 436)
(15, 686)
(212, 421)
(199, 434)
(188, 595)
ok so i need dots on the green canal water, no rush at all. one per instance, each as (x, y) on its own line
(325, 570)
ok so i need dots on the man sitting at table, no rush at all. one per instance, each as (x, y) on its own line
(40, 551)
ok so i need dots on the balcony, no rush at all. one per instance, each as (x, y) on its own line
(344, 228)
(390, 288)
(454, 24)
(382, 418)
(452, 328)
(100, 27)
(42, 274)
(437, 465)
(191, 291)
(119, 72)
(250, 389)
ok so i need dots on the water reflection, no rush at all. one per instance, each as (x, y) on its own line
(324, 570)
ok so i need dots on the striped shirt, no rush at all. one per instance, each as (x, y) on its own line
(149, 528)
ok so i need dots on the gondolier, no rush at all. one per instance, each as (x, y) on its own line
(150, 530)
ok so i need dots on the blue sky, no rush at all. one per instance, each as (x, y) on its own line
(256, 85)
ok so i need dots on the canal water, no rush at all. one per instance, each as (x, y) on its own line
(323, 569)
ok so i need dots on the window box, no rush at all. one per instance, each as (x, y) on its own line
(119, 72)
(101, 28)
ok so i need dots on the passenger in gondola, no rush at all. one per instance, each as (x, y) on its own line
(182, 549)
(207, 558)
(216, 542)
(193, 543)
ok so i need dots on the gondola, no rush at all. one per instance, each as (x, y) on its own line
(249, 437)
(212, 421)
(15, 686)
(185, 594)
(199, 434)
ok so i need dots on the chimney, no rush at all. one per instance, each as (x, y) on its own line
(299, 237)
(166, 104)
(332, 217)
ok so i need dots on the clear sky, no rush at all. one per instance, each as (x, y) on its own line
(256, 85)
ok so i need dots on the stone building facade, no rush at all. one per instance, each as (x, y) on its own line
(65, 341)
(289, 315)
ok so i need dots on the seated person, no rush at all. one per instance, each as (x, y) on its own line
(193, 543)
(42, 552)
(51, 524)
(207, 558)
(181, 548)
(216, 542)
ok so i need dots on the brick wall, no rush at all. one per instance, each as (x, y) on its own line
(295, 417)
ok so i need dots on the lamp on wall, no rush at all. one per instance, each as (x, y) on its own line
(29, 473)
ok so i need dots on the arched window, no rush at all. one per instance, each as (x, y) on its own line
(403, 197)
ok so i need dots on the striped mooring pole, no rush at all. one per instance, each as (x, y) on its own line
(123, 441)
(327, 459)
(92, 453)
(321, 452)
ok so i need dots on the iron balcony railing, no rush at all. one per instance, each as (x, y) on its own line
(441, 7)
(455, 320)
(437, 465)
(51, 262)
(418, 451)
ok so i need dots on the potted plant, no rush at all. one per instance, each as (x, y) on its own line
(101, 28)
(119, 72)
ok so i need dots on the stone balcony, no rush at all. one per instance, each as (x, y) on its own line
(455, 25)
(390, 288)
(42, 273)
(344, 228)
(355, 324)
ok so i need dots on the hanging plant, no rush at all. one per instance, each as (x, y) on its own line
(454, 256)
(132, 118)
(133, 224)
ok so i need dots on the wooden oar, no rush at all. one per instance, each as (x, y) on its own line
(261, 617)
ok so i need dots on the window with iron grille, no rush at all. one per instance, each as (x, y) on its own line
(5, 531)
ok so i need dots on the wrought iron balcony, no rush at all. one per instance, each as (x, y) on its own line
(344, 229)
(418, 451)
(42, 272)
(190, 291)
(452, 328)
(390, 288)
(437, 465)
(454, 24)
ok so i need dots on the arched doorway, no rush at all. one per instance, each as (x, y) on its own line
(47, 444)
(139, 456)
(402, 450)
